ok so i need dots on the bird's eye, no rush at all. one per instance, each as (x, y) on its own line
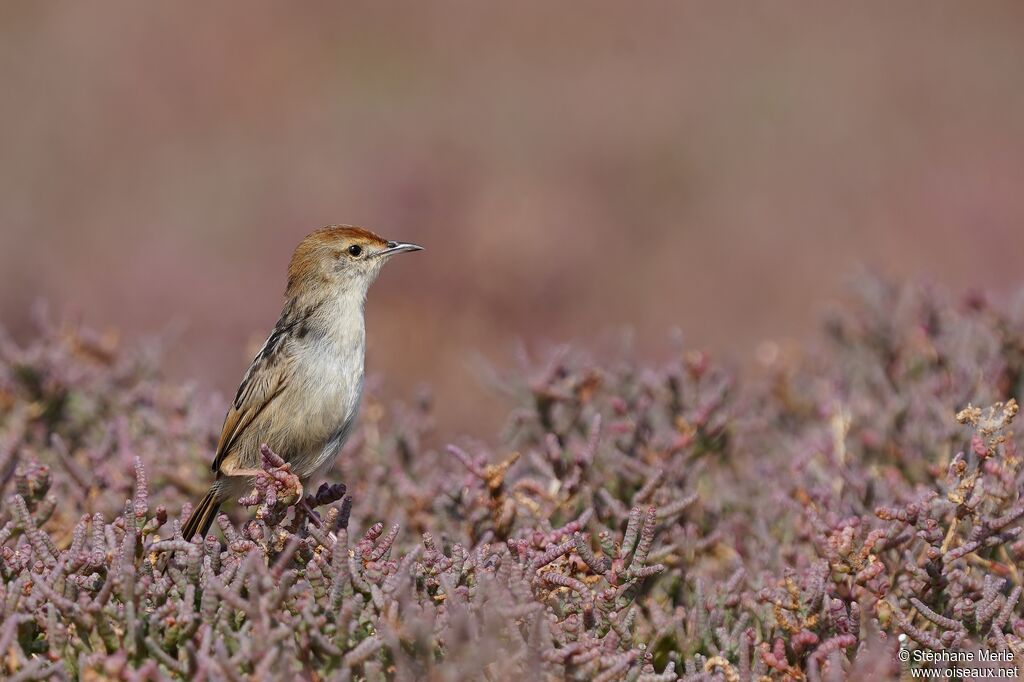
(355, 250)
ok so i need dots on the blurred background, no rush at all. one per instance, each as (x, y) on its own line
(573, 170)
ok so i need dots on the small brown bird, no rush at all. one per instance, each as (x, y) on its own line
(301, 393)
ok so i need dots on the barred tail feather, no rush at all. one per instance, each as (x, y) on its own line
(202, 516)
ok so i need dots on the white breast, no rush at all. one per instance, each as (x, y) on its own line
(332, 378)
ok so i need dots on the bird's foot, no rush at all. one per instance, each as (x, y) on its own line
(314, 517)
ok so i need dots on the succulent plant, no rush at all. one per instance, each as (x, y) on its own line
(636, 520)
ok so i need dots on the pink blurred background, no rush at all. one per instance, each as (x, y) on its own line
(572, 169)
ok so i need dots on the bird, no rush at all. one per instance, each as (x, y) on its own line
(300, 395)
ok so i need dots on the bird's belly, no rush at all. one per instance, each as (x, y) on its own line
(325, 408)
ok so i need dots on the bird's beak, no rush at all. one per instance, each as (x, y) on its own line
(398, 247)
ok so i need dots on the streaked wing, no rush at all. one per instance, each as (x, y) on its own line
(263, 382)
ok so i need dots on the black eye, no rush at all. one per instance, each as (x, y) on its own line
(355, 250)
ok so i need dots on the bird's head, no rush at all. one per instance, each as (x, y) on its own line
(340, 260)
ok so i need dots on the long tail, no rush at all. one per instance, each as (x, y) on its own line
(202, 516)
